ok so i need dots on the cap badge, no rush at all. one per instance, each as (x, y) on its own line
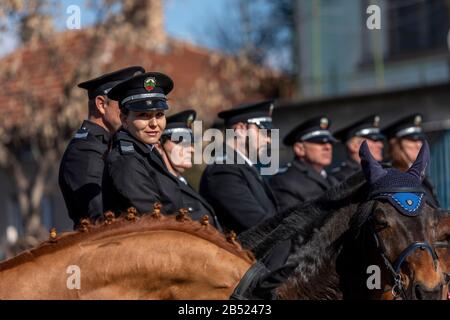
(189, 121)
(418, 120)
(324, 123)
(376, 121)
(149, 84)
(271, 109)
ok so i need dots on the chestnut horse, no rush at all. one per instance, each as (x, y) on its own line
(157, 257)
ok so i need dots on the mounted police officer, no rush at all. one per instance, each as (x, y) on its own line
(235, 188)
(367, 129)
(406, 138)
(305, 177)
(233, 185)
(135, 173)
(177, 150)
(81, 168)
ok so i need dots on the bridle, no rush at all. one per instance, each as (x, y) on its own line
(398, 290)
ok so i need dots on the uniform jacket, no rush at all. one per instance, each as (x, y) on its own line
(81, 169)
(239, 195)
(346, 170)
(299, 182)
(136, 176)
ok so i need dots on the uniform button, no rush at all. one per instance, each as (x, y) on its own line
(190, 209)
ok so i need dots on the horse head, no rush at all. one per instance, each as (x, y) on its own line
(401, 229)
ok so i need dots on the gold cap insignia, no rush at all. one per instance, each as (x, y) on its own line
(376, 121)
(324, 123)
(418, 120)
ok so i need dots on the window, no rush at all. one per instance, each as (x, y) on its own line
(416, 26)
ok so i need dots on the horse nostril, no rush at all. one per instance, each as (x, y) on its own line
(423, 293)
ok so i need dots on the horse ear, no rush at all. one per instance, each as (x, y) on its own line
(371, 168)
(420, 165)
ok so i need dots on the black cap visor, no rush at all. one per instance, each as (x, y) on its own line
(147, 105)
(322, 139)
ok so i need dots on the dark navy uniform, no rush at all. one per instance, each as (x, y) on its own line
(178, 129)
(347, 168)
(299, 181)
(136, 176)
(410, 128)
(238, 193)
(135, 173)
(367, 128)
(233, 185)
(81, 168)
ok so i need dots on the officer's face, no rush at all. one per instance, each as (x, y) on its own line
(146, 126)
(375, 147)
(179, 154)
(411, 148)
(319, 154)
(258, 139)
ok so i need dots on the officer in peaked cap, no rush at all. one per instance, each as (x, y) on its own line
(176, 142)
(405, 138)
(305, 177)
(233, 185)
(136, 174)
(367, 129)
(81, 168)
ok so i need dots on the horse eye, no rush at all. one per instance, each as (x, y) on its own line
(381, 225)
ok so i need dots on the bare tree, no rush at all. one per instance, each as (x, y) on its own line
(31, 145)
(262, 30)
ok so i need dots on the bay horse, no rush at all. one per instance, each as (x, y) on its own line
(378, 221)
(131, 257)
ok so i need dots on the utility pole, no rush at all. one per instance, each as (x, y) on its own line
(317, 47)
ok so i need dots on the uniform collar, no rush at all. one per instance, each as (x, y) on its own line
(96, 130)
(310, 172)
(124, 135)
(247, 160)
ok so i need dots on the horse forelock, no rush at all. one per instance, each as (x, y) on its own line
(122, 225)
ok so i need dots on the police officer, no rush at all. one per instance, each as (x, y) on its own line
(233, 185)
(81, 168)
(367, 129)
(235, 188)
(305, 177)
(405, 138)
(135, 173)
(177, 150)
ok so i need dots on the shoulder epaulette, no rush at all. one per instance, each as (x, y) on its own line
(126, 147)
(285, 168)
(82, 133)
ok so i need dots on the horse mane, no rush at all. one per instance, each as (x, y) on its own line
(315, 276)
(131, 223)
(301, 221)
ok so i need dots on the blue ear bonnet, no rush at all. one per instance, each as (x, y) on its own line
(403, 191)
(407, 203)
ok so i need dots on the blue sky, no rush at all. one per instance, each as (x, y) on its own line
(184, 19)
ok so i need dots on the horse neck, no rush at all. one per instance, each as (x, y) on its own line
(316, 276)
(152, 264)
